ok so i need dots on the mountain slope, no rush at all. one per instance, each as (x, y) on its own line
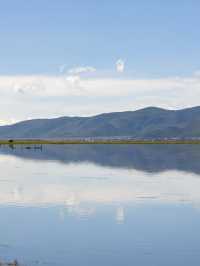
(147, 122)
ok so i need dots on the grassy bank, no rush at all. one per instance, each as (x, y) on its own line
(62, 142)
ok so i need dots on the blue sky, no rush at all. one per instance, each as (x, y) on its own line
(63, 53)
(154, 37)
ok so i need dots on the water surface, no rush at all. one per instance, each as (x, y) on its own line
(100, 205)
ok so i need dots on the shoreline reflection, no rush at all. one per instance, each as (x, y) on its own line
(148, 158)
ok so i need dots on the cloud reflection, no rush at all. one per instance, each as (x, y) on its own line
(67, 186)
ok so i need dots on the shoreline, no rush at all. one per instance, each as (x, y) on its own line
(93, 141)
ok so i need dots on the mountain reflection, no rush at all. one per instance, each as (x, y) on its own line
(148, 158)
(80, 187)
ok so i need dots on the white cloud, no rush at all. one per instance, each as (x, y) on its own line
(73, 77)
(73, 80)
(74, 83)
(30, 86)
(81, 70)
(120, 66)
(197, 73)
(50, 86)
(51, 96)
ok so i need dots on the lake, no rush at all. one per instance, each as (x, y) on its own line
(100, 205)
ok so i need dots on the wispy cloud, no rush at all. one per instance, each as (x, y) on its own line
(81, 70)
(72, 78)
(120, 65)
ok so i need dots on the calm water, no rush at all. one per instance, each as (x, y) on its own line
(100, 205)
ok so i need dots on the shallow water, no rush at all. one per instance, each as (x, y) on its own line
(100, 205)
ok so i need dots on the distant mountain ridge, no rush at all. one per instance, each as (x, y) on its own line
(150, 122)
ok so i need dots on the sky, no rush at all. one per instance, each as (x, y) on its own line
(85, 57)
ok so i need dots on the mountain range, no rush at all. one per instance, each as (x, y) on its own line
(150, 122)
